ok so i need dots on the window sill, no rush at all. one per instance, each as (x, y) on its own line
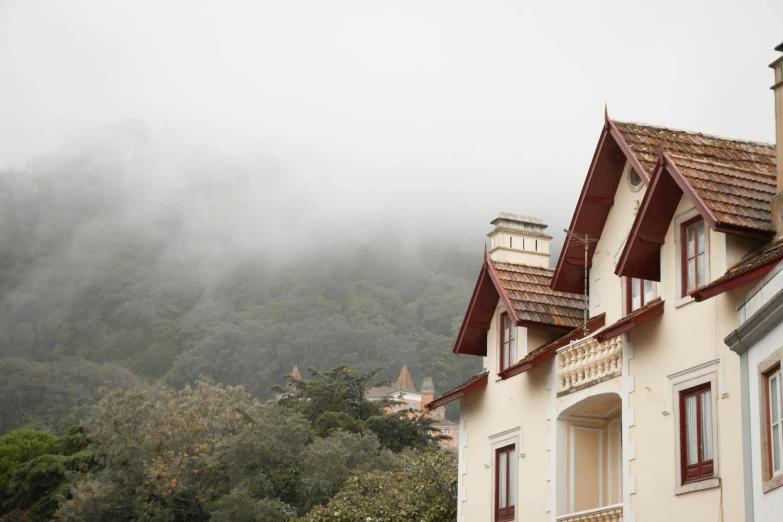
(682, 301)
(714, 482)
(773, 483)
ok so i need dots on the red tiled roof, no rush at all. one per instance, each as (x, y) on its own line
(755, 265)
(527, 288)
(735, 179)
(477, 381)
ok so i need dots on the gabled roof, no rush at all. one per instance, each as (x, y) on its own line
(534, 302)
(595, 202)
(404, 381)
(525, 292)
(734, 179)
(729, 182)
(755, 265)
(474, 383)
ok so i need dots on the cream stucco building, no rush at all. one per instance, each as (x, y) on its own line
(637, 414)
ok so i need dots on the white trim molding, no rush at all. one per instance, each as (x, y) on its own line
(495, 442)
(462, 469)
(618, 494)
(572, 465)
(551, 417)
(505, 437)
(712, 378)
(676, 377)
(629, 421)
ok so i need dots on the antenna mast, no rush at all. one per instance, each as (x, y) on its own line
(585, 240)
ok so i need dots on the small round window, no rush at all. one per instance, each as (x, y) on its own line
(635, 178)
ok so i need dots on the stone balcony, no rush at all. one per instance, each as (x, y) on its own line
(604, 514)
(587, 362)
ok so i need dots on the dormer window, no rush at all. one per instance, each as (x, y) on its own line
(638, 292)
(508, 342)
(694, 255)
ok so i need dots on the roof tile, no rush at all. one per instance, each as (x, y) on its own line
(735, 179)
(527, 288)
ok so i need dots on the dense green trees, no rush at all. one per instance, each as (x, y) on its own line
(214, 452)
(55, 395)
(421, 486)
(107, 256)
(126, 268)
(34, 471)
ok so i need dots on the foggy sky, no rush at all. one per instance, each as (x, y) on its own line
(417, 114)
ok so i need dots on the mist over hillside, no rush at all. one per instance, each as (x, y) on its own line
(134, 249)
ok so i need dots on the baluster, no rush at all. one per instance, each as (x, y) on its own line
(561, 376)
(607, 357)
(612, 355)
(618, 354)
(580, 364)
(594, 359)
(572, 367)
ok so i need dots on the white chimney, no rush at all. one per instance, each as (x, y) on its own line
(777, 88)
(520, 240)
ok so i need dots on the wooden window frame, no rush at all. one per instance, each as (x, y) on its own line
(629, 294)
(502, 362)
(684, 291)
(704, 469)
(766, 369)
(507, 513)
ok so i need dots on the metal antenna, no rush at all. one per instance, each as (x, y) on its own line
(585, 240)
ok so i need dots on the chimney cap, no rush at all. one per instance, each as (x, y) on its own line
(519, 224)
(519, 218)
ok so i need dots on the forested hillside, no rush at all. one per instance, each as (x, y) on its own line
(123, 255)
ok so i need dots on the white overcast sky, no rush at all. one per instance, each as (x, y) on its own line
(464, 108)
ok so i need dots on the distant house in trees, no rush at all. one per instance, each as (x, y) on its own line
(404, 391)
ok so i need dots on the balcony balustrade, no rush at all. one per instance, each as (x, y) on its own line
(588, 361)
(605, 514)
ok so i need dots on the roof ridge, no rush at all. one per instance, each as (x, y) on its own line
(522, 264)
(696, 133)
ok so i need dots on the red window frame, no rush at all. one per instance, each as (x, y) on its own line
(505, 342)
(691, 223)
(506, 513)
(629, 281)
(702, 469)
